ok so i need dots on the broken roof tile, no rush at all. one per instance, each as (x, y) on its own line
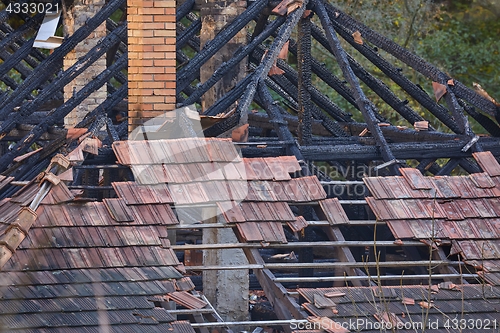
(415, 178)
(482, 180)
(299, 224)
(260, 191)
(58, 193)
(278, 170)
(154, 214)
(271, 232)
(488, 163)
(119, 210)
(310, 187)
(184, 284)
(4, 181)
(257, 169)
(187, 300)
(333, 211)
(135, 194)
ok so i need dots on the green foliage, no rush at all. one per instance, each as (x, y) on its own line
(464, 42)
(458, 36)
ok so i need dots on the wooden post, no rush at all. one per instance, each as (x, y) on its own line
(215, 14)
(75, 17)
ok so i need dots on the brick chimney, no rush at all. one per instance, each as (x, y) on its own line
(151, 59)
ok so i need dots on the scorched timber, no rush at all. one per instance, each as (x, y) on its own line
(448, 149)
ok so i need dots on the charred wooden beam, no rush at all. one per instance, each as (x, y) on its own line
(186, 75)
(22, 130)
(48, 66)
(333, 127)
(110, 102)
(13, 60)
(394, 74)
(262, 121)
(4, 14)
(396, 134)
(317, 97)
(62, 111)
(183, 38)
(320, 70)
(18, 34)
(75, 70)
(304, 81)
(469, 166)
(184, 9)
(227, 66)
(11, 83)
(425, 150)
(364, 104)
(448, 167)
(411, 60)
(276, 118)
(483, 120)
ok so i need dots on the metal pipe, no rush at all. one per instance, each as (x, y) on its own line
(311, 223)
(382, 278)
(290, 245)
(325, 265)
(249, 323)
(343, 182)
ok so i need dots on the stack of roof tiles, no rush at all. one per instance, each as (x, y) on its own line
(441, 308)
(89, 266)
(463, 209)
(252, 193)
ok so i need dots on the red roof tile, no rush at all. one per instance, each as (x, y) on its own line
(258, 211)
(333, 211)
(299, 224)
(415, 178)
(180, 151)
(187, 300)
(119, 210)
(135, 194)
(488, 163)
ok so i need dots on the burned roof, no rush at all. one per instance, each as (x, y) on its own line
(81, 265)
(406, 309)
(462, 209)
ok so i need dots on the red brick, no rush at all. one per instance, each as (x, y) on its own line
(153, 11)
(164, 77)
(153, 26)
(146, 70)
(164, 92)
(162, 18)
(146, 85)
(140, 48)
(170, 4)
(154, 55)
(165, 63)
(164, 106)
(140, 77)
(140, 18)
(140, 92)
(167, 47)
(140, 63)
(152, 41)
(165, 33)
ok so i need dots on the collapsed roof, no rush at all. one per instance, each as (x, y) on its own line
(128, 207)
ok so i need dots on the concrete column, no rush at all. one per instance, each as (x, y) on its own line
(226, 290)
(76, 16)
(215, 14)
(151, 64)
